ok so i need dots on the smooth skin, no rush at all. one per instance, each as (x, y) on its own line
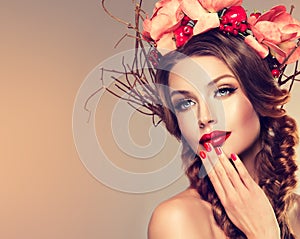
(186, 215)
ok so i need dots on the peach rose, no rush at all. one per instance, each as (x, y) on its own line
(276, 30)
(166, 18)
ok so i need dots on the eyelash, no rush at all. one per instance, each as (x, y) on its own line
(181, 105)
(226, 90)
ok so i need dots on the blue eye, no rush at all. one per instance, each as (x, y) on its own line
(184, 104)
(224, 91)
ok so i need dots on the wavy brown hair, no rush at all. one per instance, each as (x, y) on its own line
(275, 162)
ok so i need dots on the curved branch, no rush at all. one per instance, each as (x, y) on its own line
(128, 24)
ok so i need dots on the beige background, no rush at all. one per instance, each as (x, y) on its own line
(47, 49)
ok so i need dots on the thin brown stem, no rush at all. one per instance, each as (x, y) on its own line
(128, 24)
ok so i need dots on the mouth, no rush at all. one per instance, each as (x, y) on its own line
(217, 138)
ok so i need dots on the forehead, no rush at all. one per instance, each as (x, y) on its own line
(197, 72)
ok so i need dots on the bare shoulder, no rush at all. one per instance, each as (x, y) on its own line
(297, 200)
(182, 216)
(295, 216)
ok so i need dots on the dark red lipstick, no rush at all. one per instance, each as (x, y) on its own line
(216, 138)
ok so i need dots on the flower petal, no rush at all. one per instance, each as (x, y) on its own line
(147, 25)
(288, 36)
(275, 48)
(294, 57)
(160, 25)
(290, 48)
(283, 18)
(292, 28)
(166, 43)
(217, 5)
(206, 22)
(166, 17)
(258, 35)
(274, 11)
(270, 31)
(169, 7)
(262, 50)
(192, 8)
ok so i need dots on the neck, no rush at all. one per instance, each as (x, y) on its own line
(248, 158)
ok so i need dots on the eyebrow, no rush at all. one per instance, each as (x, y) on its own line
(179, 92)
(214, 81)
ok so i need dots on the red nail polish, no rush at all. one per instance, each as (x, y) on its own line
(233, 157)
(218, 150)
(202, 154)
(207, 147)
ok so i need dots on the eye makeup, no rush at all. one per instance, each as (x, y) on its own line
(183, 104)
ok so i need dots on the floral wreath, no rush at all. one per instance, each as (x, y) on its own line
(274, 34)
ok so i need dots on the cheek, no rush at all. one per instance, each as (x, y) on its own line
(189, 128)
(244, 123)
(240, 112)
(243, 114)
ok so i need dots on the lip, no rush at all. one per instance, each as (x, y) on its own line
(216, 138)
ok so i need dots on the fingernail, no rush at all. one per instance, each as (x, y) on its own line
(233, 157)
(207, 147)
(202, 154)
(218, 150)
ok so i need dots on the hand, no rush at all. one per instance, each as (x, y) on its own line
(244, 201)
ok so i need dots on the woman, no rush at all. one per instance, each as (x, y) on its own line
(220, 99)
(253, 196)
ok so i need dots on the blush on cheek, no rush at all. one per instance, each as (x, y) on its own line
(241, 113)
(243, 121)
(252, 125)
(250, 116)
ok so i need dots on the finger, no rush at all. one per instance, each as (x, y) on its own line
(206, 165)
(231, 172)
(242, 171)
(212, 175)
(219, 170)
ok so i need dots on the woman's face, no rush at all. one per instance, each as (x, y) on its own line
(212, 107)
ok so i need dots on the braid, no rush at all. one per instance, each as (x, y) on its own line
(277, 167)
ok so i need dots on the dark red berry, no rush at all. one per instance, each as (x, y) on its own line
(255, 14)
(234, 20)
(236, 14)
(224, 20)
(243, 27)
(276, 73)
(228, 29)
(188, 30)
(184, 32)
(180, 41)
(154, 57)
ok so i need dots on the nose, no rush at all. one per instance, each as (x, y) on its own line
(205, 116)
